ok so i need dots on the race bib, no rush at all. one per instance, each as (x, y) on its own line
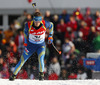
(37, 38)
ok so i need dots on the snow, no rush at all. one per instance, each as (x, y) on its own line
(49, 82)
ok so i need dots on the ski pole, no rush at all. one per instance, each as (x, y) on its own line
(59, 52)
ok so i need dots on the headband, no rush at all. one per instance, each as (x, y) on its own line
(37, 18)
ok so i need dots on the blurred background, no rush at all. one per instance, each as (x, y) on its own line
(76, 32)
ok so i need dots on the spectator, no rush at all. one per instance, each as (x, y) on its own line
(88, 18)
(61, 27)
(34, 73)
(4, 73)
(80, 61)
(58, 45)
(54, 68)
(22, 74)
(72, 76)
(53, 76)
(85, 30)
(9, 59)
(47, 16)
(67, 48)
(71, 63)
(8, 34)
(71, 28)
(19, 41)
(37, 10)
(17, 25)
(12, 65)
(22, 18)
(64, 74)
(64, 16)
(89, 73)
(28, 18)
(13, 46)
(91, 36)
(55, 21)
(97, 15)
(72, 24)
(78, 15)
(96, 42)
(3, 48)
(81, 74)
(98, 24)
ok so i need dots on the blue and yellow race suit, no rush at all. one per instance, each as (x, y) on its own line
(35, 39)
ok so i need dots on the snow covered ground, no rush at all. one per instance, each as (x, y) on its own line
(49, 82)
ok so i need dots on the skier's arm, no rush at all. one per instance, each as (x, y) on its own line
(25, 34)
(49, 25)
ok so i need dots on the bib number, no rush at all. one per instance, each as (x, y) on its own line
(36, 37)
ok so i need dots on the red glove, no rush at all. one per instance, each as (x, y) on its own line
(25, 44)
(50, 40)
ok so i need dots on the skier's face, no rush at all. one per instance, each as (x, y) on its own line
(37, 23)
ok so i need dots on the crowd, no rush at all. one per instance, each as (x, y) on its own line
(74, 34)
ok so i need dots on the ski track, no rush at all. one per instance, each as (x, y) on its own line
(49, 82)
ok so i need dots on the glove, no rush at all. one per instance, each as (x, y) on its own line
(50, 40)
(25, 44)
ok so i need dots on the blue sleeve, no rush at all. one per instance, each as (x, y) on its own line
(67, 18)
(26, 32)
(47, 24)
(50, 26)
(60, 17)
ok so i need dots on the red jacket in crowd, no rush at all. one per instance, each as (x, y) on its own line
(72, 25)
(72, 76)
(61, 28)
(98, 24)
(88, 20)
(22, 74)
(85, 32)
(53, 76)
(78, 15)
(17, 40)
(4, 73)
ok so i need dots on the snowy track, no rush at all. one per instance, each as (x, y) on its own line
(49, 82)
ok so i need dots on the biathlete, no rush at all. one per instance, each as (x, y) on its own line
(34, 34)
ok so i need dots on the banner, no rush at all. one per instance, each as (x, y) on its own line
(92, 63)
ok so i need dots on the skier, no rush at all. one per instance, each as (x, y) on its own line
(34, 34)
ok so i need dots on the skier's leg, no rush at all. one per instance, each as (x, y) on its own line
(29, 50)
(21, 62)
(41, 54)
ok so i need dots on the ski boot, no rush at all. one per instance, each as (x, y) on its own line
(12, 78)
(41, 76)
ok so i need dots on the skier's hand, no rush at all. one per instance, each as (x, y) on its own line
(50, 40)
(25, 44)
